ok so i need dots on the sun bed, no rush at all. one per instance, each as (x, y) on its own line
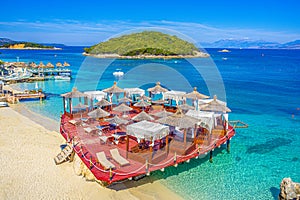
(103, 160)
(118, 158)
(74, 122)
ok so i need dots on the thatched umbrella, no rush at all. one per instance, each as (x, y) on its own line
(33, 65)
(124, 100)
(81, 106)
(142, 104)
(103, 102)
(59, 64)
(41, 65)
(215, 106)
(117, 120)
(49, 65)
(145, 98)
(180, 120)
(186, 107)
(66, 64)
(195, 95)
(142, 116)
(98, 113)
(162, 114)
(114, 89)
(122, 108)
(74, 94)
(157, 89)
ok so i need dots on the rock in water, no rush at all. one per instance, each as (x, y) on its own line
(289, 190)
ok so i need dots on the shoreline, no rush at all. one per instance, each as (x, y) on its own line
(32, 166)
(116, 56)
(32, 48)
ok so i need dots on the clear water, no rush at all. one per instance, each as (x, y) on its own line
(262, 91)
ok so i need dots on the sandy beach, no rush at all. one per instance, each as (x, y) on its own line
(29, 172)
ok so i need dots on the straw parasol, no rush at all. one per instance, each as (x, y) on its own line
(142, 104)
(142, 116)
(117, 120)
(122, 108)
(124, 100)
(215, 106)
(162, 114)
(103, 102)
(74, 94)
(59, 64)
(186, 107)
(98, 113)
(157, 89)
(114, 89)
(145, 98)
(195, 95)
(33, 65)
(179, 119)
(41, 65)
(49, 65)
(66, 64)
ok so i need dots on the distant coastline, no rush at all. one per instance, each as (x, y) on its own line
(32, 48)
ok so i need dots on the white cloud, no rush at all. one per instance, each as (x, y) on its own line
(74, 32)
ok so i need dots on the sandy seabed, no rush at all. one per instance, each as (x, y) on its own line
(28, 170)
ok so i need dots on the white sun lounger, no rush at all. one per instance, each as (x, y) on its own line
(118, 158)
(103, 160)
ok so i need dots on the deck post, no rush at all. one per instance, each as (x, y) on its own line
(91, 163)
(195, 132)
(64, 104)
(127, 145)
(167, 144)
(110, 173)
(228, 146)
(211, 156)
(151, 148)
(184, 137)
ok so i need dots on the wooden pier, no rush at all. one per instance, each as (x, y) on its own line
(27, 96)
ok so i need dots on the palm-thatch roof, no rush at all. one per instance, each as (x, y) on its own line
(195, 95)
(122, 108)
(179, 119)
(66, 64)
(114, 89)
(49, 65)
(186, 107)
(117, 120)
(145, 98)
(33, 65)
(157, 89)
(103, 102)
(142, 116)
(215, 106)
(74, 94)
(160, 101)
(124, 100)
(162, 114)
(59, 64)
(141, 103)
(41, 65)
(98, 113)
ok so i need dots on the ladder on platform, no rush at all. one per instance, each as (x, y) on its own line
(66, 154)
(238, 124)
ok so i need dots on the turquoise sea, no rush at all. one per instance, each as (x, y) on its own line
(262, 89)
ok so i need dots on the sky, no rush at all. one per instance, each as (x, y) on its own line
(91, 21)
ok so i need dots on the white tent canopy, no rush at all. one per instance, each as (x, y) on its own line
(131, 91)
(96, 94)
(175, 95)
(206, 119)
(147, 130)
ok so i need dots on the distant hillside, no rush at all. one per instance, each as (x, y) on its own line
(147, 43)
(6, 43)
(251, 44)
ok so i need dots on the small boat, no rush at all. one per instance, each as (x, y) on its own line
(3, 102)
(62, 78)
(118, 73)
(224, 51)
(224, 58)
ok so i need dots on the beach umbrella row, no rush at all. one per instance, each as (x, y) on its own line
(48, 65)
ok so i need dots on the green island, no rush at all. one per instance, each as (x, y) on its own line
(147, 44)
